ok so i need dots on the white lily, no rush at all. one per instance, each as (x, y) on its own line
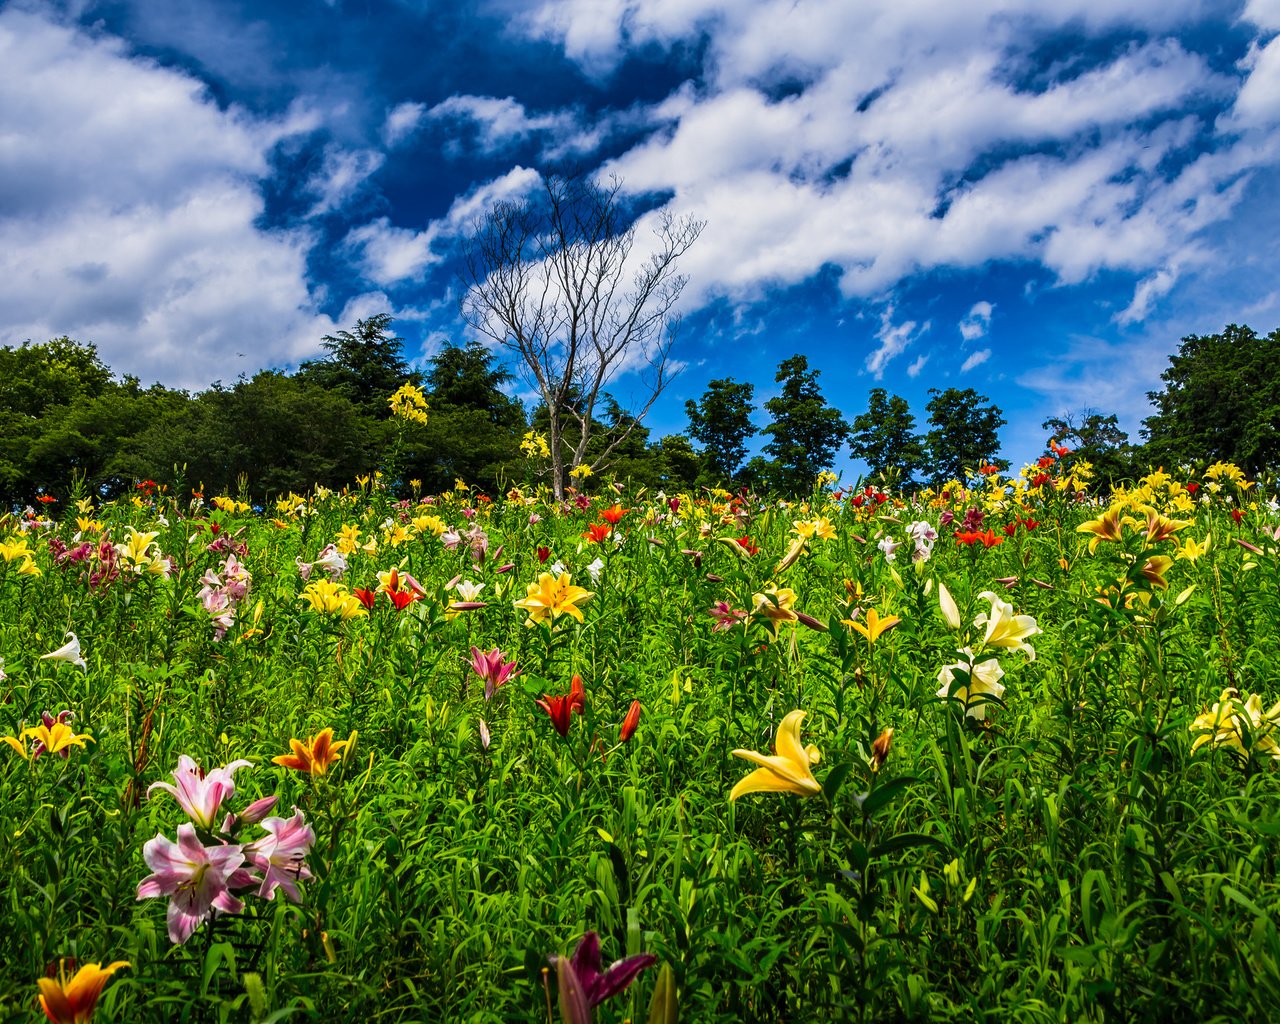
(70, 651)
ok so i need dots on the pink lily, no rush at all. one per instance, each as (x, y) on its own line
(493, 668)
(199, 794)
(197, 878)
(281, 855)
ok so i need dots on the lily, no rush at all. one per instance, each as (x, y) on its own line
(493, 668)
(201, 795)
(974, 685)
(551, 597)
(787, 771)
(1004, 629)
(315, 756)
(584, 986)
(73, 1000)
(68, 652)
(197, 878)
(875, 626)
(281, 855)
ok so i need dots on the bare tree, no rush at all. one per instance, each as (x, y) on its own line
(556, 279)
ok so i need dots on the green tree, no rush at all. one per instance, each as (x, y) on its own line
(805, 433)
(721, 423)
(965, 433)
(473, 427)
(1096, 439)
(63, 415)
(366, 365)
(285, 433)
(1220, 402)
(679, 466)
(884, 438)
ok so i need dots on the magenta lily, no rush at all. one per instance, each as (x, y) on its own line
(196, 878)
(201, 794)
(582, 981)
(493, 668)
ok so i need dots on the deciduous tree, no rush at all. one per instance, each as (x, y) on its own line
(965, 433)
(721, 423)
(884, 438)
(558, 279)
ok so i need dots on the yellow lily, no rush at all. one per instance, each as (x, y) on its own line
(776, 606)
(1004, 629)
(1108, 526)
(875, 626)
(787, 771)
(549, 598)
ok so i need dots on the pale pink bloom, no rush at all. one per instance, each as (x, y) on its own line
(199, 794)
(281, 855)
(332, 562)
(493, 668)
(484, 734)
(451, 538)
(534, 518)
(304, 569)
(196, 878)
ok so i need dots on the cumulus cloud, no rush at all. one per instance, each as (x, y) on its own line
(887, 139)
(387, 254)
(341, 175)
(976, 359)
(977, 322)
(130, 213)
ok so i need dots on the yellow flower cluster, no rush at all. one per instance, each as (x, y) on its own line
(331, 598)
(18, 548)
(535, 446)
(1240, 727)
(409, 403)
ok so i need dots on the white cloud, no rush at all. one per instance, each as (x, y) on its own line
(913, 371)
(977, 322)
(130, 209)
(341, 176)
(894, 340)
(976, 359)
(402, 121)
(387, 254)
(918, 134)
(500, 123)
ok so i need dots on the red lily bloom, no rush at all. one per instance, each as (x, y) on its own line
(1045, 461)
(1011, 528)
(402, 598)
(1040, 479)
(744, 542)
(561, 708)
(630, 723)
(614, 515)
(544, 554)
(1192, 488)
(365, 597)
(597, 532)
(1060, 450)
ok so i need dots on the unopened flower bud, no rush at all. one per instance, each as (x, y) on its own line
(880, 749)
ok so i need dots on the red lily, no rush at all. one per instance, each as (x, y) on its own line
(597, 532)
(631, 722)
(561, 708)
(614, 515)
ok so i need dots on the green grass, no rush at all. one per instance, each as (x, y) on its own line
(1068, 859)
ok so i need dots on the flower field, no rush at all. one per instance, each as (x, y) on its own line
(1005, 750)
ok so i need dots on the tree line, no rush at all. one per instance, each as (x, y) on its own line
(65, 416)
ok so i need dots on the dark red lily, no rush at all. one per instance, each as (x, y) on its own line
(587, 985)
(561, 708)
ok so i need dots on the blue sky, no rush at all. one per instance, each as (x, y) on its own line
(1034, 199)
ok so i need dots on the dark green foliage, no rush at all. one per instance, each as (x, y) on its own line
(366, 365)
(805, 433)
(1096, 439)
(884, 438)
(283, 433)
(1220, 402)
(965, 432)
(473, 428)
(721, 423)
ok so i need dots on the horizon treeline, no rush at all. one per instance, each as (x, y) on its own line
(66, 420)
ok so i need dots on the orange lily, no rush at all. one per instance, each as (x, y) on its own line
(316, 755)
(73, 1000)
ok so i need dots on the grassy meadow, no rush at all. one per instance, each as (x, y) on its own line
(1012, 754)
